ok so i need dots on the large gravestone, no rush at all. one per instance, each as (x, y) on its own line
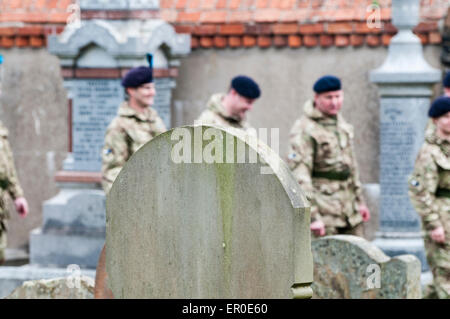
(207, 226)
(405, 85)
(349, 267)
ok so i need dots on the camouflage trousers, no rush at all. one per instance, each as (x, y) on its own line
(357, 230)
(3, 241)
(438, 257)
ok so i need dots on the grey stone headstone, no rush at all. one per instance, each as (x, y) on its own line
(349, 267)
(402, 126)
(207, 230)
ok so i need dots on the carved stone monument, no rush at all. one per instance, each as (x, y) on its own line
(349, 267)
(197, 222)
(405, 85)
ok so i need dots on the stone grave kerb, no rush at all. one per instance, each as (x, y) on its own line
(200, 212)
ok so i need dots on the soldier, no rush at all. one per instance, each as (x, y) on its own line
(429, 190)
(322, 160)
(9, 184)
(229, 109)
(135, 124)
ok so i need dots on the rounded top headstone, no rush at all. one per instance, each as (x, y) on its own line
(190, 217)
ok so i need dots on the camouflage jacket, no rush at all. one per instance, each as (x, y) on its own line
(126, 133)
(431, 178)
(8, 176)
(215, 114)
(323, 145)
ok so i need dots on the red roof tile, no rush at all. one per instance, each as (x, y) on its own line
(236, 23)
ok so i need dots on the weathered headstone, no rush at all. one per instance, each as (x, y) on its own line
(349, 267)
(55, 288)
(201, 221)
(405, 85)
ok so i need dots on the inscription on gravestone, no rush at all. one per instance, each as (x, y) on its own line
(94, 105)
(401, 135)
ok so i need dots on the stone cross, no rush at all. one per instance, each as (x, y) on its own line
(405, 85)
(201, 212)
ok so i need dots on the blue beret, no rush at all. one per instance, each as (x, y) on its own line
(137, 76)
(439, 107)
(246, 87)
(447, 80)
(327, 83)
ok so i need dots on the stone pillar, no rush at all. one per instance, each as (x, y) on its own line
(103, 40)
(405, 83)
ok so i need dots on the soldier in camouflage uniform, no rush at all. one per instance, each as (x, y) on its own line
(429, 190)
(322, 160)
(9, 184)
(135, 124)
(228, 110)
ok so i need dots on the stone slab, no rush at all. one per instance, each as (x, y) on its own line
(349, 267)
(13, 277)
(75, 212)
(58, 250)
(55, 288)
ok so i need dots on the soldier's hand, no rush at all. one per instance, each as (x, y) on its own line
(438, 235)
(318, 228)
(21, 206)
(365, 213)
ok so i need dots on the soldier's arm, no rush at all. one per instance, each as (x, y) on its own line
(13, 186)
(301, 162)
(115, 153)
(354, 175)
(423, 184)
